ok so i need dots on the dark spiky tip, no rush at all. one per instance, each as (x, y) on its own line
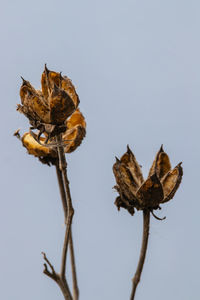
(61, 76)
(24, 82)
(117, 159)
(129, 151)
(161, 149)
(46, 69)
(17, 134)
(180, 168)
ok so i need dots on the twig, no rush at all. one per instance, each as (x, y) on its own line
(71, 247)
(70, 210)
(57, 278)
(136, 278)
(73, 266)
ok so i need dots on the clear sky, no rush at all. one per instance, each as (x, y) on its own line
(136, 67)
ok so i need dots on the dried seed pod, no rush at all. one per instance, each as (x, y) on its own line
(159, 187)
(53, 105)
(52, 111)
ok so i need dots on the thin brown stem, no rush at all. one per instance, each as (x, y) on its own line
(71, 246)
(70, 210)
(136, 278)
(62, 190)
(73, 266)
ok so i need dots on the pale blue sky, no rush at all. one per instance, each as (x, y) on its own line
(136, 67)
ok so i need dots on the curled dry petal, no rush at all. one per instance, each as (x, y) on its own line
(161, 164)
(171, 182)
(35, 148)
(76, 130)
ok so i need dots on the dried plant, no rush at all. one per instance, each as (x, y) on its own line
(135, 193)
(61, 127)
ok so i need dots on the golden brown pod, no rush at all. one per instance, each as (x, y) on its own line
(53, 104)
(159, 187)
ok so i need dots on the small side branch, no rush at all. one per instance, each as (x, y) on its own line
(136, 278)
(46, 271)
(57, 278)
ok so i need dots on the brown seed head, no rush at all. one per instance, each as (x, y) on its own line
(159, 187)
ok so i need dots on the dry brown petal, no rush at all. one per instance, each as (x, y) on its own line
(171, 182)
(161, 164)
(45, 85)
(76, 119)
(150, 193)
(34, 104)
(61, 106)
(75, 137)
(76, 130)
(131, 163)
(50, 79)
(35, 148)
(125, 180)
(69, 88)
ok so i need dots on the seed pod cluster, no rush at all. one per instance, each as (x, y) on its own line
(51, 110)
(53, 104)
(135, 192)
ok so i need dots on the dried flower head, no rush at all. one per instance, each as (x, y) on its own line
(158, 188)
(52, 105)
(52, 111)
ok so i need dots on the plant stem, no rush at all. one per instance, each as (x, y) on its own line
(60, 278)
(70, 210)
(71, 246)
(136, 278)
